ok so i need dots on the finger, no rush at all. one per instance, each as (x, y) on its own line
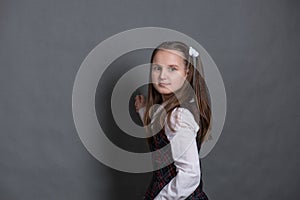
(140, 98)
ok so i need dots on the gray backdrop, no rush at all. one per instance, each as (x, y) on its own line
(254, 43)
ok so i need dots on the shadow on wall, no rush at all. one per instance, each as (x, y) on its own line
(124, 185)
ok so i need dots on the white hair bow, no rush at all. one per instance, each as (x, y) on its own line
(193, 52)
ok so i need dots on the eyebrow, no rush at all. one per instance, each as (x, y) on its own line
(171, 65)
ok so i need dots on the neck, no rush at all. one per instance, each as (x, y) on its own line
(165, 97)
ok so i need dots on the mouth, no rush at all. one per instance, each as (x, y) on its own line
(163, 84)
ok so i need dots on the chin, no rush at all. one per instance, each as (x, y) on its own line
(164, 91)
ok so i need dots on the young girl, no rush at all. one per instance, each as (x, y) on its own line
(183, 115)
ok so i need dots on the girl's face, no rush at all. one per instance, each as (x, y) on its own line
(168, 71)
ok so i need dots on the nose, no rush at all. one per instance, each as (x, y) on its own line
(163, 74)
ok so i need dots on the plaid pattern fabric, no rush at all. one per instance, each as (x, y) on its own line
(163, 176)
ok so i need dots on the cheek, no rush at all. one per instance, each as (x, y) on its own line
(154, 77)
(180, 77)
(179, 80)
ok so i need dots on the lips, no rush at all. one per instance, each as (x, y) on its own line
(163, 84)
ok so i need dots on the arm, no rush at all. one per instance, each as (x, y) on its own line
(141, 112)
(140, 105)
(185, 155)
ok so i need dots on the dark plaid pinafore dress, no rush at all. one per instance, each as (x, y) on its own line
(163, 176)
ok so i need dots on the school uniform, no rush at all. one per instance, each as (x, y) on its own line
(181, 176)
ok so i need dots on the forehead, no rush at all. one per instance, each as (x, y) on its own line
(169, 57)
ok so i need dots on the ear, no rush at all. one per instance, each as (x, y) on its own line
(187, 73)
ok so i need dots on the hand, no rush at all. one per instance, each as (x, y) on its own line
(139, 102)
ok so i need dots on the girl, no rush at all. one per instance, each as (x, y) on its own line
(183, 115)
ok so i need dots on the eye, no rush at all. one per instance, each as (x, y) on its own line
(172, 68)
(156, 67)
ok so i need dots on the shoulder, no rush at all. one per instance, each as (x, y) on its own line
(182, 118)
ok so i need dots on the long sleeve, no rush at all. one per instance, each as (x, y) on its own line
(141, 112)
(185, 155)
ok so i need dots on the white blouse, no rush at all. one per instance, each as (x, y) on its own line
(185, 155)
